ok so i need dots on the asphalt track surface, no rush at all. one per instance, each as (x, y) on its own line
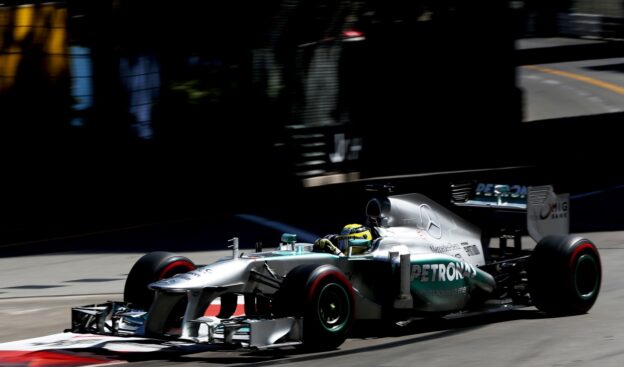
(575, 88)
(38, 291)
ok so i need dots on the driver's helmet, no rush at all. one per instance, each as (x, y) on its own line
(361, 235)
(357, 231)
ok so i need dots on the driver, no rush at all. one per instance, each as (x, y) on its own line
(338, 244)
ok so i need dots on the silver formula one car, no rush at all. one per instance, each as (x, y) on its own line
(424, 260)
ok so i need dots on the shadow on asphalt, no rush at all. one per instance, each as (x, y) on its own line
(383, 334)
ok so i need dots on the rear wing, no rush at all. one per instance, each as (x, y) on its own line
(489, 195)
(546, 212)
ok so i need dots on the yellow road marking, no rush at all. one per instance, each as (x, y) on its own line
(582, 78)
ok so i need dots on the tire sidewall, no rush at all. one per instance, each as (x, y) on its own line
(583, 255)
(555, 275)
(148, 269)
(322, 282)
(299, 296)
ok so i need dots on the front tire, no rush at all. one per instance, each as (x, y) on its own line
(565, 274)
(324, 297)
(148, 269)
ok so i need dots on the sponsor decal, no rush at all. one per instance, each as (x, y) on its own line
(459, 291)
(79, 341)
(472, 250)
(454, 249)
(554, 210)
(442, 272)
(547, 213)
(70, 349)
(83, 341)
(445, 249)
(430, 221)
(488, 194)
(501, 190)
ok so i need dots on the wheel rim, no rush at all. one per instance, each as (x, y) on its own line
(586, 276)
(334, 307)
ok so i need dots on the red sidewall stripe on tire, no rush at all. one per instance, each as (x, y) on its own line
(322, 276)
(175, 264)
(345, 282)
(578, 250)
(574, 256)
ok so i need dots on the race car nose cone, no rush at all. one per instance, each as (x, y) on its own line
(224, 273)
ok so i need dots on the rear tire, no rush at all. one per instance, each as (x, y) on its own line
(323, 296)
(565, 274)
(148, 269)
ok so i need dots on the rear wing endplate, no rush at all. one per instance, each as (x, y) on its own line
(547, 212)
